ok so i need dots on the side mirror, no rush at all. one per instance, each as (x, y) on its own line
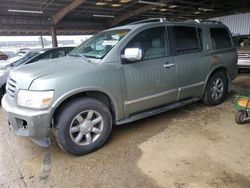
(132, 54)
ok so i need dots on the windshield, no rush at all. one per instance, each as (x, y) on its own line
(242, 42)
(99, 45)
(24, 59)
(18, 56)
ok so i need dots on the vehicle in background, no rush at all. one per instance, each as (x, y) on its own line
(10, 53)
(21, 53)
(243, 47)
(27, 56)
(118, 76)
(3, 56)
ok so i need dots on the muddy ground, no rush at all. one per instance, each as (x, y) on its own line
(194, 146)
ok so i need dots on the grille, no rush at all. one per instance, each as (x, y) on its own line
(11, 87)
(244, 55)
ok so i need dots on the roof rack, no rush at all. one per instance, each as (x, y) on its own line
(206, 21)
(148, 21)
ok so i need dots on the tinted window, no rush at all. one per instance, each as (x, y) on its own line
(68, 50)
(45, 56)
(220, 38)
(152, 42)
(187, 40)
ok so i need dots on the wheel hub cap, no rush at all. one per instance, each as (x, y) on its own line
(86, 127)
(217, 89)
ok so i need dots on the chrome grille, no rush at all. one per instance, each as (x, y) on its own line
(244, 55)
(11, 87)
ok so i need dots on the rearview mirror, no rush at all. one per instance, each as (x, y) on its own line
(132, 54)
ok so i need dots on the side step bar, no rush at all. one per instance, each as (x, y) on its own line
(157, 111)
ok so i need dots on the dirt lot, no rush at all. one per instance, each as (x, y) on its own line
(194, 146)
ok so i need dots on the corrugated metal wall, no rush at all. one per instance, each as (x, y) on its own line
(238, 24)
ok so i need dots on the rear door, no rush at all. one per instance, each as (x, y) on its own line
(151, 82)
(192, 60)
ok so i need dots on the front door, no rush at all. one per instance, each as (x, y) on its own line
(151, 82)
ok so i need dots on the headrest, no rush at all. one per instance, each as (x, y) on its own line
(157, 43)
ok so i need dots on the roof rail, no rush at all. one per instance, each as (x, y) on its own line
(205, 21)
(148, 21)
(212, 21)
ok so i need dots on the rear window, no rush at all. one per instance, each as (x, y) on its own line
(242, 42)
(220, 38)
(187, 39)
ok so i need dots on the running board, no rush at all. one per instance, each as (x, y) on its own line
(157, 111)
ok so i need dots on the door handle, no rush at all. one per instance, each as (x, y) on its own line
(168, 65)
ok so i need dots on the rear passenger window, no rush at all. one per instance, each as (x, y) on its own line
(220, 38)
(152, 42)
(187, 39)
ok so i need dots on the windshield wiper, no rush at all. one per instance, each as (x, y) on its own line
(80, 55)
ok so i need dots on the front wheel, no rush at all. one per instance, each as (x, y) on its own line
(216, 89)
(83, 125)
(2, 92)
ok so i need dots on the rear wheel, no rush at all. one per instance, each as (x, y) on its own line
(216, 89)
(83, 126)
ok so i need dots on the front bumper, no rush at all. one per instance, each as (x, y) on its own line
(27, 122)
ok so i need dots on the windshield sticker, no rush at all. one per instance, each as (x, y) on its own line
(109, 42)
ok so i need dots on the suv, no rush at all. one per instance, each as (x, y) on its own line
(119, 76)
(243, 47)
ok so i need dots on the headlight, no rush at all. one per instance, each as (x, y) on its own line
(34, 99)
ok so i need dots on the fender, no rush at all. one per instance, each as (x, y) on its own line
(71, 93)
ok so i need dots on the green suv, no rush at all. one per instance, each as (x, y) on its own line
(119, 76)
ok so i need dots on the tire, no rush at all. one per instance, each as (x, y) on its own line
(240, 117)
(216, 89)
(2, 92)
(82, 126)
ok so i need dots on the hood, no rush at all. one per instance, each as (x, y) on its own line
(2, 61)
(46, 67)
(65, 65)
(4, 65)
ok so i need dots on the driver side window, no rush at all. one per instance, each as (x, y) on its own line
(152, 42)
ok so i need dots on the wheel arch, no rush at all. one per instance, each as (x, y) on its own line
(100, 95)
(217, 69)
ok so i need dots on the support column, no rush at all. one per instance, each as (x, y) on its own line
(53, 35)
(41, 38)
